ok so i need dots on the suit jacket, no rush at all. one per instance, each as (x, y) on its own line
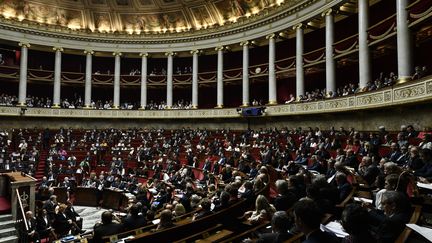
(134, 222)
(274, 237)
(32, 225)
(61, 224)
(319, 236)
(105, 230)
(50, 208)
(71, 213)
(42, 225)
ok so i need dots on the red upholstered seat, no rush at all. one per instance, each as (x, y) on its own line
(5, 206)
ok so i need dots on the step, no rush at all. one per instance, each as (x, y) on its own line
(7, 232)
(5, 217)
(7, 224)
(9, 239)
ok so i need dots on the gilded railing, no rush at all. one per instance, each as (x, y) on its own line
(408, 93)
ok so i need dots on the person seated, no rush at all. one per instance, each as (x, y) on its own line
(44, 227)
(106, 228)
(426, 170)
(166, 220)
(134, 220)
(32, 233)
(307, 216)
(285, 199)
(355, 221)
(343, 186)
(205, 209)
(62, 224)
(263, 211)
(280, 225)
(388, 226)
(75, 217)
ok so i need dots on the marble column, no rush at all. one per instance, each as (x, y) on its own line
(116, 101)
(195, 78)
(22, 92)
(169, 98)
(364, 58)
(88, 79)
(299, 60)
(219, 78)
(143, 102)
(404, 55)
(330, 62)
(57, 77)
(272, 70)
(245, 76)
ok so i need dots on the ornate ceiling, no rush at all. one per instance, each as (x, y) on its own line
(137, 16)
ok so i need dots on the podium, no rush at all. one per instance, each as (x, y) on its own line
(24, 186)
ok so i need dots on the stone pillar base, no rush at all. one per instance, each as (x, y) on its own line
(87, 107)
(194, 107)
(245, 104)
(22, 104)
(219, 107)
(272, 102)
(55, 106)
(403, 80)
(116, 107)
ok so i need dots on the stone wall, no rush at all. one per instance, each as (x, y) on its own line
(392, 118)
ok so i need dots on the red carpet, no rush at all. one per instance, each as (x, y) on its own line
(5, 206)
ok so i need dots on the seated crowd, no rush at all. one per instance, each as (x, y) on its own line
(309, 171)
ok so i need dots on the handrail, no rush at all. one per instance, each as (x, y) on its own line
(381, 22)
(22, 209)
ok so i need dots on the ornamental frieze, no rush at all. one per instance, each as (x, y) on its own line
(409, 92)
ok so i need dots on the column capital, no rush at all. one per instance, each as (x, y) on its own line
(58, 48)
(117, 53)
(219, 48)
(170, 53)
(193, 52)
(245, 43)
(299, 26)
(271, 36)
(88, 52)
(328, 12)
(144, 54)
(24, 44)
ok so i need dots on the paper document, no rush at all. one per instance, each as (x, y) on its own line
(362, 199)
(424, 231)
(424, 185)
(336, 228)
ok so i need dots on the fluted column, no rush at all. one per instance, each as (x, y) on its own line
(116, 100)
(299, 60)
(88, 79)
(220, 94)
(57, 77)
(364, 59)
(403, 42)
(330, 62)
(143, 80)
(169, 98)
(22, 92)
(195, 78)
(271, 70)
(245, 76)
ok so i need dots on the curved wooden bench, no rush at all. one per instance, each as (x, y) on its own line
(403, 237)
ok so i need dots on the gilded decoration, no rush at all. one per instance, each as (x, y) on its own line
(137, 17)
(370, 99)
(410, 92)
(429, 87)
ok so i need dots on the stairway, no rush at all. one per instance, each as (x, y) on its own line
(7, 229)
(40, 170)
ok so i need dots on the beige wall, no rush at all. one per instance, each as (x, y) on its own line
(366, 120)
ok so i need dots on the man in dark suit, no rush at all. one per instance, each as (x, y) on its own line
(62, 224)
(74, 216)
(280, 224)
(308, 217)
(50, 206)
(134, 220)
(108, 227)
(31, 224)
(343, 186)
(44, 227)
(285, 199)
